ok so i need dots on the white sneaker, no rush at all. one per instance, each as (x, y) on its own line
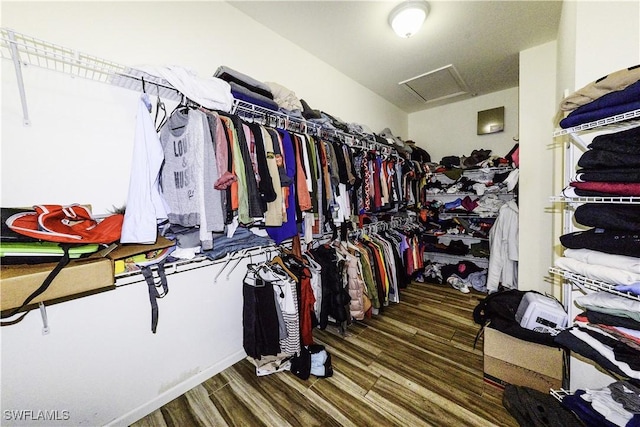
(458, 284)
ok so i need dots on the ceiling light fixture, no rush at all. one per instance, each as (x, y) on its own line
(407, 18)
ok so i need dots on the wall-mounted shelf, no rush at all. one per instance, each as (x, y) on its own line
(594, 285)
(635, 200)
(461, 236)
(454, 259)
(560, 394)
(27, 51)
(183, 265)
(607, 121)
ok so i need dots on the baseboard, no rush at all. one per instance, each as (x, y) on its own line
(166, 397)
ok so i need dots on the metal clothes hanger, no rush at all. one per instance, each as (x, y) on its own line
(159, 106)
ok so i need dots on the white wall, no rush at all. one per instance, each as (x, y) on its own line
(537, 107)
(607, 38)
(452, 129)
(78, 146)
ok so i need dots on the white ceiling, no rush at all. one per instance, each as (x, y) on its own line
(481, 39)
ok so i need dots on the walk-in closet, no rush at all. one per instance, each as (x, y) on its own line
(299, 213)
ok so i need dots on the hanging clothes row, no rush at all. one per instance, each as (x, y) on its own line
(335, 283)
(220, 172)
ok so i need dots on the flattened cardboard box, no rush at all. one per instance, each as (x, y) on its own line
(500, 373)
(17, 282)
(509, 360)
(122, 251)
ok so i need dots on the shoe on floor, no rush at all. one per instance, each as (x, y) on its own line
(457, 283)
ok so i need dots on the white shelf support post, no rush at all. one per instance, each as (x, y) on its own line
(45, 320)
(16, 63)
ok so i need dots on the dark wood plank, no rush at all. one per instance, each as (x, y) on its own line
(176, 413)
(215, 383)
(232, 407)
(268, 394)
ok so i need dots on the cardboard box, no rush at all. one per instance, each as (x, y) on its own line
(17, 282)
(121, 254)
(509, 360)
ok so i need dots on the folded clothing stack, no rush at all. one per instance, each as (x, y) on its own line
(246, 88)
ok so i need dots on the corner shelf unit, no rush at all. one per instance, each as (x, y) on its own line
(485, 174)
(582, 373)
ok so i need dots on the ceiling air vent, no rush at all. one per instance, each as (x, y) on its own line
(443, 83)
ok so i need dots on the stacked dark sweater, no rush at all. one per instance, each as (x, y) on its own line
(608, 105)
(246, 88)
(610, 168)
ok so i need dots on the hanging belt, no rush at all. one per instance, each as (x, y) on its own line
(153, 290)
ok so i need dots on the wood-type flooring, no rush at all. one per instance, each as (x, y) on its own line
(412, 365)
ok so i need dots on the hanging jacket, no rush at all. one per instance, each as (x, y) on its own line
(503, 240)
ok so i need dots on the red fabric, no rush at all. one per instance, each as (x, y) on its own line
(302, 192)
(613, 188)
(307, 301)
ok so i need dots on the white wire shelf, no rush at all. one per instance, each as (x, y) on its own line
(607, 121)
(450, 258)
(597, 199)
(559, 394)
(594, 285)
(25, 50)
(182, 265)
(39, 53)
(450, 215)
(461, 236)
(481, 171)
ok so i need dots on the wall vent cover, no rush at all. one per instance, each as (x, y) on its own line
(442, 83)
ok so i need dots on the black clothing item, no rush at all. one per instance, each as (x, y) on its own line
(611, 242)
(609, 175)
(420, 155)
(533, 408)
(626, 141)
(621, 351)
(611, 320)
(265, 186)
(342, 164)
(476, 157)
(457, 247)
(569, 341)
(308, 112)
(260, 324)
(609, 216)
(589, 193)
(462, 269)
(301, 364)
(595, 159)
(500, 177)
(450, 162)
(334, 295)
